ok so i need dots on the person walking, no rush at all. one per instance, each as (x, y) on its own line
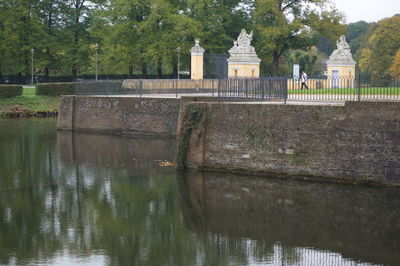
(304, 78)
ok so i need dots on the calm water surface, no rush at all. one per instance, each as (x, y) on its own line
(87, 199)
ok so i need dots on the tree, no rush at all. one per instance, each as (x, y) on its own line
(381, 48)
(355, 34)
(311, 61)
(291, 24)
(219, 22)
(163, 31)
(78, 17)
(395, 68)
(116, 29)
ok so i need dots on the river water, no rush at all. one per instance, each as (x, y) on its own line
(90, 199)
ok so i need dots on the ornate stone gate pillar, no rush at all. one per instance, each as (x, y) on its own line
(341, 68)
(196, 63)
(243, 60)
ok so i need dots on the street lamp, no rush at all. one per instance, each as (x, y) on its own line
(32, 52)
(97, 48)
(179, 56)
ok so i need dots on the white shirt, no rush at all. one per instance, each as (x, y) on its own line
(303, 77)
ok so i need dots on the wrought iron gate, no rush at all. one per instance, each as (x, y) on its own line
(215, 66)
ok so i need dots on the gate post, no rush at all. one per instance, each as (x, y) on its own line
(197, 61)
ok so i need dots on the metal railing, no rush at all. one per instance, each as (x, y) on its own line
(100, 87)
(342, 89)
(253, 89)
(319, 89)
(147, 86)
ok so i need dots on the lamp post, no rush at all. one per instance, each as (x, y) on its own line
(32, 52)
(97, 48)
(179, 56)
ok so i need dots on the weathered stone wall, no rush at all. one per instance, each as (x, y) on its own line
(360, 140)
(127, 115)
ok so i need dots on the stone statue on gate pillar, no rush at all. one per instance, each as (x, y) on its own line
(341, 66)
(243, 60)
(342, 55)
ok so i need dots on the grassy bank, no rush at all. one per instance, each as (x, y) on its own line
(28, 105)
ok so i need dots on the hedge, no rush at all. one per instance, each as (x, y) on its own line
(56, 89)
(8, 91)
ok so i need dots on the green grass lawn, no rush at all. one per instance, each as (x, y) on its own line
(350, 91)
(34, 103)
(31, 91)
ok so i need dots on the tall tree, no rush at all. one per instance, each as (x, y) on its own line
(78, 15)
(355, 34)
(381, 47)
(163, 31)
(116, 30)
(395, 68)
(291, 24)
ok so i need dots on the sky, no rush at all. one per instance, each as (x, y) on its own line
(368, 10)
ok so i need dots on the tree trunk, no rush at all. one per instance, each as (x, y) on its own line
(48, 54)
(159, 68)
(78, 6)
(46, 74)
(130, 70)
(28, 72)
(74, 73)
(275, 63)
(26, 40)
(144, 69)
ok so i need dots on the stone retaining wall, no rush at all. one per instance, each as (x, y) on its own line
(360, 140)
(126, 115)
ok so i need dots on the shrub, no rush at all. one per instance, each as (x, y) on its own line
(8, 91)
(56, 89)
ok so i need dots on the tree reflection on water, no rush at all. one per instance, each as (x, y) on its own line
(88, 198)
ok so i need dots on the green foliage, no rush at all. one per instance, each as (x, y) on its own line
(395, 68)
(381, 47)
(311, 61)
(356, 33)
(8, 91)
(56, 89)
(142, 35)
(283, 25)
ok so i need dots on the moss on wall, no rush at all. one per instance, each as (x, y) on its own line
(192, 117)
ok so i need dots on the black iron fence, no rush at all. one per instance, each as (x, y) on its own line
(319, 89)
(26, 79)
(253, 89)
(215, 66)
(147, 86)
(342, 89)
(100, 87)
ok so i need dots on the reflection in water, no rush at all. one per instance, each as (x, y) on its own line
(313, 223)
(95, 199)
